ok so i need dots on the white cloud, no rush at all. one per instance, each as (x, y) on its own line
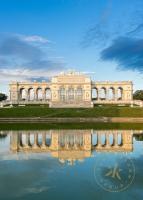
(35, 38)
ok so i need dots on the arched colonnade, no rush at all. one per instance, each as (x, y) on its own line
(32, 94)
(104, 93)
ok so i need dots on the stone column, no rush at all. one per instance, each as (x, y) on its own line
(35, 95)
(115, 139)
(44, 95)
(35, 145)
(107, 94)
(43, 146)
(28, 95)
(116, 94)
(27, 140)
(14, 141)
(99, 93)
(107, 139)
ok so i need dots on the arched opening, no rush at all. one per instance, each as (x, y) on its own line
(79, 93)
(120, 93)
(62, 94)
(70, 94)
(31, 94)
(22, 94)
(31, 137)
(48, 139)
(94, 94)
(39, 139)
(23, 140)
(111, 93)
(39, 94)
(111, 139)
(103, 139)
(119, 139)
(103, 93)
(47, 93)
(94, 139)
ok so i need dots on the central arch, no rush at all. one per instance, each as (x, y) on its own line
(79, 94)
(70, 94)
(62, 94)
(39, 94)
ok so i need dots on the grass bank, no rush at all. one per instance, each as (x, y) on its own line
(99, 126)
(37, 111)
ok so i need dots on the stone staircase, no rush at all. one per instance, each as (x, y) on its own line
(71, 105)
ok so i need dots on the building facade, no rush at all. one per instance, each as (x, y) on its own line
(71, 89)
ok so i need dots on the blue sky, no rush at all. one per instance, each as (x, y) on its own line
(40, 38)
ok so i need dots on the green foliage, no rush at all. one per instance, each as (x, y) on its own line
(2, 97)
(138, 95)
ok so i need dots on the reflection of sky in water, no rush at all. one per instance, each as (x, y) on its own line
(41, 176)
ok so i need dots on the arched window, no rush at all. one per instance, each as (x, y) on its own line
(22, 94)
(31, 94)
(48, 93)
(70, 94)
(79, 93)
(103, 93)
(62, 94)
(120, 93)
(94, 93)
(39, 94)
(111, 93)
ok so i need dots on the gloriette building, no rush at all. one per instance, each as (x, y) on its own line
(71, 89)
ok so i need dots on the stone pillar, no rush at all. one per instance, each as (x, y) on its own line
(127, 140)
(44, 95)
(99, 140)
(87, 141)
(115, 139)
(99, 93)
(107, 94)
(14, 141)
(107, 139)
(55, 142)
(43, 146)
(116, 94)
(35, 95)
(28, 95)
(35, 145)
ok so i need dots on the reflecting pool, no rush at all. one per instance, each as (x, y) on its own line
(71, 164)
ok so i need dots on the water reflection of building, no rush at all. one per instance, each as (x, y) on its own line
(72, 145)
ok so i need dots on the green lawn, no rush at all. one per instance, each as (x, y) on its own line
(37, 111)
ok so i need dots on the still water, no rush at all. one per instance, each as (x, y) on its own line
(71, 164)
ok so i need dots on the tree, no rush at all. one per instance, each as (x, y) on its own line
(2, 97)
(138, 95)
